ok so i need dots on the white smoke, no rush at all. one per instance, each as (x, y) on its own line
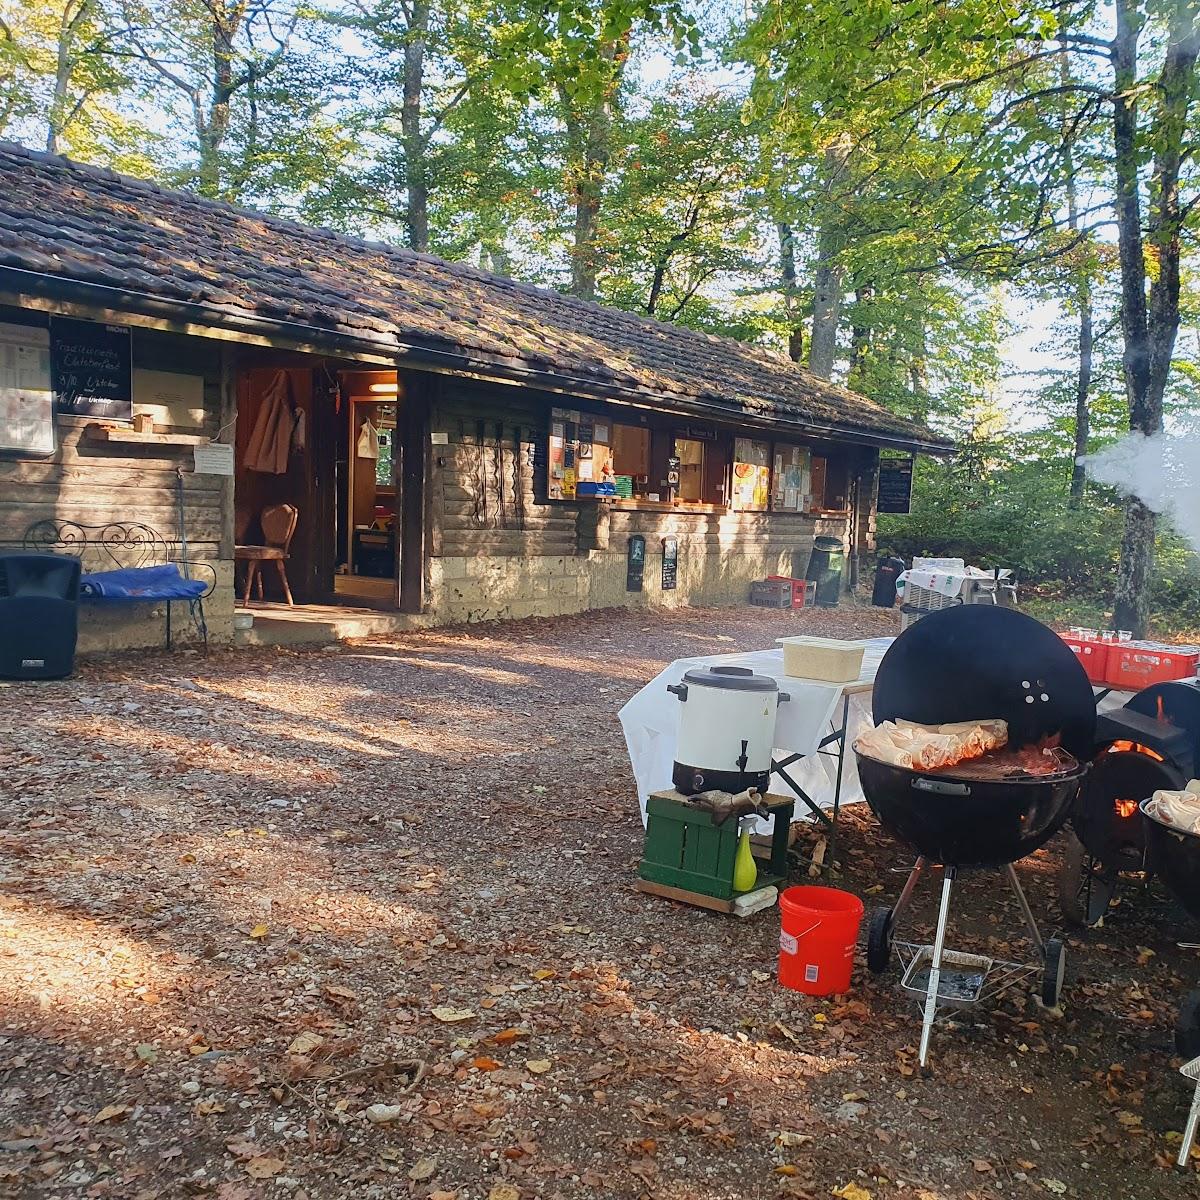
(1163, 471)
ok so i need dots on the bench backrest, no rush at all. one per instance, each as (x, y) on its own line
(102, 547)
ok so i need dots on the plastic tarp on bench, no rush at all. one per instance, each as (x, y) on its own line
(131, 585)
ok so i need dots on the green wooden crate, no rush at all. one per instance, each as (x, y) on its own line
(684, 849)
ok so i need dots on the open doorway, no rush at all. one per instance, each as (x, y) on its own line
(368, 487)
(317, 484)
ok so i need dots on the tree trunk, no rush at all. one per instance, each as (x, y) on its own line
(1149, 330)
(1083, 301)
(416, 166)
(791, 298)
(213, 125)
(860, 336)
(589, 137)
(1131, 607)
(64, 68)
(827, 278)
(1083, 385)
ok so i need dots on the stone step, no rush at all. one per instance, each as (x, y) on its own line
(322, 624)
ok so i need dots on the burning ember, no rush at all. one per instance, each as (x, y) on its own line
(1123, 747)
(1125, 808)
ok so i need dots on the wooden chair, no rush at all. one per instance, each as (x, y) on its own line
(278, 523)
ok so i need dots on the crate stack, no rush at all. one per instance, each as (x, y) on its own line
(1129, 666)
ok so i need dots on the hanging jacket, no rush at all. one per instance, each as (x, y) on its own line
(271, 439)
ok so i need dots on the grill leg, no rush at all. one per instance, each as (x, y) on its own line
(935, 965)
(910, 886)
(1189, 1133)
(1026, 911)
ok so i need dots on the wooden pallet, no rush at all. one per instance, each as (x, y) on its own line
(745, 905)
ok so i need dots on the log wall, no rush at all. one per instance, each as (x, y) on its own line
(94, 483)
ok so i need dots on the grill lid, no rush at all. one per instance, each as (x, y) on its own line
(974, 661)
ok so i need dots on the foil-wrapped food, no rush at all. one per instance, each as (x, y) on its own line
(1181, 809)
(930, 747)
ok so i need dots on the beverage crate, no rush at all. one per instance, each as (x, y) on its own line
(1135, 665)
(800, 595)
(771, 593)
(1093, 656)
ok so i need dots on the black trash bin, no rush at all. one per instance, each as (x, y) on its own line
(883, 594)
(824, 572)
(39, 615)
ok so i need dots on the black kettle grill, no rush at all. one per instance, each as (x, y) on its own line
(1152, 742)
(974, 662)
(1175, 857)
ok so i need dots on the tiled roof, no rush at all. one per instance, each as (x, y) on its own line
(91, 226)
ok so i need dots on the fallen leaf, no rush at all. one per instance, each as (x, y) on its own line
(504, 1191)
(786, 1138)
(444, 1195)
(539, 1066)
(451, 1016)
(1055, 1185)
(260, 931)
(787, 1169)
(146, 1052)
(306, 1043)
(336, 992)
(851, 1191)
(483, 1063)
(423, 1169)
(111, 1112)
(982, 1166)
(264, 1167)
(506, 1036)
(544, 973)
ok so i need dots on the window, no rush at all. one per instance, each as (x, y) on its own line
(792, 491)
(751, 475)
(690, 454)
(580, 458)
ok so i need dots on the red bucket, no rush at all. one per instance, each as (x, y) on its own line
(816, 943)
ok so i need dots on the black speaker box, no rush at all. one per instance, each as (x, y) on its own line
(39, 615)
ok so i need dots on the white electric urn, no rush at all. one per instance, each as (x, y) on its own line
(726, 729)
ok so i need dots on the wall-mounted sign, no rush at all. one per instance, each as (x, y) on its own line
(173, 400)
(214, 458)
(699, 433)
(92, 369)
(895, 484)
(26, 401)
(670, 563)
(635, 563)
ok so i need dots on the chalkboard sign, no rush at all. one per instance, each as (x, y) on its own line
(92, 369)
(670, 567)
(895, 484)
(635, 563)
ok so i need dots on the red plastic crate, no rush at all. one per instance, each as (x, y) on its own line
(1135, 665)
(1093, 656)
(799, 588)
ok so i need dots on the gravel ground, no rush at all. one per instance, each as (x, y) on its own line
(359, 923)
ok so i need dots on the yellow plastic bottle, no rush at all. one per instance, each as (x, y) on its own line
(745, 873)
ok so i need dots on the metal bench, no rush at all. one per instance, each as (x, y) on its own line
(124, 562)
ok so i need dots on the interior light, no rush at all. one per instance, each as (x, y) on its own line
(384, 389)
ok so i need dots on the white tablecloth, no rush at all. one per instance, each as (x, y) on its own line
(650, 722)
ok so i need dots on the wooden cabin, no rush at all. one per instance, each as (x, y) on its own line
(456, 445)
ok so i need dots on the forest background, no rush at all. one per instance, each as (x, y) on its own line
(879, 190)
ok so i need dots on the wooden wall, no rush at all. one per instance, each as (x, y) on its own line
(94, 483)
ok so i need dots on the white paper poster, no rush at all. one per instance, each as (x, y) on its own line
(214, 458)
(26, 399)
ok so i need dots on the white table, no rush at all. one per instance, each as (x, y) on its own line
(811, 729)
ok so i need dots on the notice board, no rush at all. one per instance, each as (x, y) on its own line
(92, 369)
(670, 563)
(895, 484)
